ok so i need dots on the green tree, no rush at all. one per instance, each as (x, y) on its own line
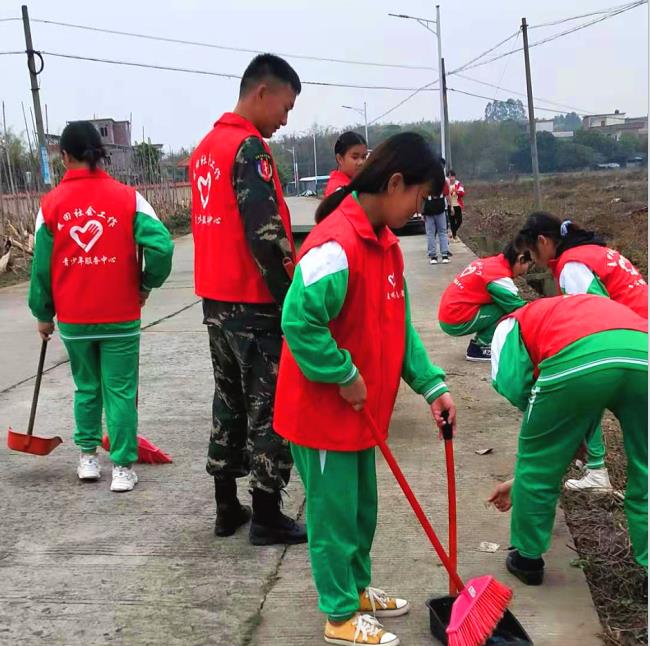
(570, 121)
(147, 159)
(509, 110)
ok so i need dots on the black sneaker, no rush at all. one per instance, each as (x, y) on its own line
(270, 526)
(476, 352)
(230, 519)
(528, 571)
(445, 260)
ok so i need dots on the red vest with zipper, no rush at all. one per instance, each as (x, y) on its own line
(224, 268)
(463, 297)
(337, 180)
(548, 325)
(621, 278)
(95, 274)
(370, 325)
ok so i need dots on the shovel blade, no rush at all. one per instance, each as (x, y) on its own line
(32, 443)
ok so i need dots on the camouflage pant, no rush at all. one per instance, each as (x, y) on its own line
(245, 343)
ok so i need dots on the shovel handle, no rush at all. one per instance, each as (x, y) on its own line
(417, 508)
(448, 435)
(37, 387)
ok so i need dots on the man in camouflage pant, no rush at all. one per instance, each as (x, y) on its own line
(246, 337)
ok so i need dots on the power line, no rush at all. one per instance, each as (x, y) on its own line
(401, 103)
(225, 47)
(485, 53)
(505, 89)
(584, 15)
(10, 19)
(505, 68)
(480, 96)
(224, 74)
(7, 53)
(553, 37)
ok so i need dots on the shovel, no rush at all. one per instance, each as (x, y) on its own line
(29, 443)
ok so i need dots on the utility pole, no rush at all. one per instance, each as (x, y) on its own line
(437, 32)
(443, 134)
(33, 75)
(365, 119)
(531, 118)
(447, 156)
(315, 165)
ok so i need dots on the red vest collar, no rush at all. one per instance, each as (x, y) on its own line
(357, 217)
(232, 119)
(84, 173)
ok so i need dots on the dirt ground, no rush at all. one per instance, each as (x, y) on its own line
(616, 206)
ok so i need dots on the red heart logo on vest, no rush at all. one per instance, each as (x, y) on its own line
(91, 232)
(201, 183)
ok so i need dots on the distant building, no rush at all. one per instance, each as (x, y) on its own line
(615, 124)
(116, 137)
(615, 118)
(544, 125)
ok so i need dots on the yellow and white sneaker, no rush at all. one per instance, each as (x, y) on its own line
(376, 602)
(359, 630)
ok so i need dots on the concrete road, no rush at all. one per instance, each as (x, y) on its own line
(80, 565)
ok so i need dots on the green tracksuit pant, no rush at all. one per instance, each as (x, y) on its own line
(596, 449)
(341, 489)
(559, 416)
(482, 325)
(105, 373)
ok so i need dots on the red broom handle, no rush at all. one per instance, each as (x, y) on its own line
(417, 508)
(448, 435)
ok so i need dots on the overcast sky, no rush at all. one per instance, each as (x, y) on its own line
(597, 69)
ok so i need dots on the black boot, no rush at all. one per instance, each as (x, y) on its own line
(230, 513)
(270, 525)
(529, 571)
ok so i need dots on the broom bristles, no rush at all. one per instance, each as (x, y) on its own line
(477, 611)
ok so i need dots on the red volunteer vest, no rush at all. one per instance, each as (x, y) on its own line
(468, 291)
(549, 325)
(371, 326)
(621, 278)
(95, 274)
(336, 180)
(224, 268)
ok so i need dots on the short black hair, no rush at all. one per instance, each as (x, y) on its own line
(265, 66)
(346, 141)
(513, 250)
(452, 172)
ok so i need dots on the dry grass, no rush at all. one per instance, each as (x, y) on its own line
(613, 204)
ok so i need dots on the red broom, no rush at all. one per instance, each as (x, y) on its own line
(148, 452)
(482, 601)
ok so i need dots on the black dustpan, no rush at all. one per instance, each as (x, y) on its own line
(508, 632)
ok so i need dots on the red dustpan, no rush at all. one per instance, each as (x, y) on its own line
(28, 442)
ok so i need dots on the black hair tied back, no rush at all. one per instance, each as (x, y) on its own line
(81, 140)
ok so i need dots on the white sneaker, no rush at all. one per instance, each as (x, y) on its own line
(433, 261)
(594, 480)
(445, 260)
(89, 468)
(124, 478)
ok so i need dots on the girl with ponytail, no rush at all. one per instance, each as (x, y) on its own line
(581, 263)
(86, 273)
(349, 339)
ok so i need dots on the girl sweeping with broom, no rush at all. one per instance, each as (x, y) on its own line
(582, 264)
(85, 272)
(349, 339)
